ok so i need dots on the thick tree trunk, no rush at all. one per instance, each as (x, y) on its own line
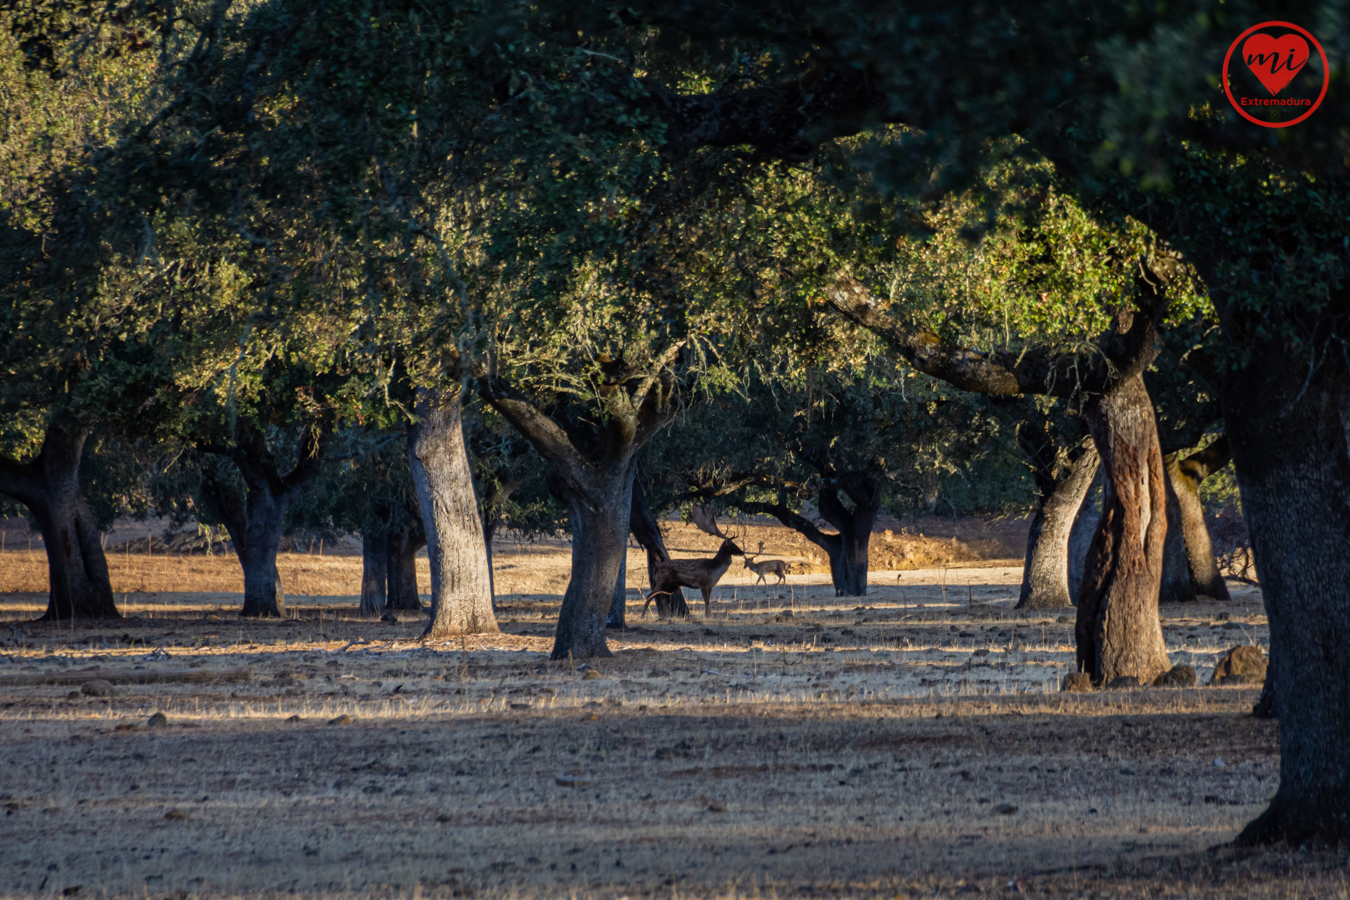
(618, 606)
(49, 486)
(1118, 632)
(374, 572)
(266, 520)
(1176, 575)
(461, 583)
(1290, 436)
(848, 565)
(598, 514)
(1045, 576)
(644, 527)
(403, 594)
(256, 519)
(1186, 477)
(848, 555)
(1084, 527)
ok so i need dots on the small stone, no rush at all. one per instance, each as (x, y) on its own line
(1005, 809)
(175, 815)
(1076, 682)
(74, 695)
(158, 720)
(571, 780)
(99, 687)
(1063, 620)
(520, 705)
(343, 719)
(1124, 682)
(127, 726)
(294, 718)
(1177, 676)
(1243, 664)
(717, 806)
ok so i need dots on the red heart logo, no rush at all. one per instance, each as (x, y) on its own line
(1275, 60)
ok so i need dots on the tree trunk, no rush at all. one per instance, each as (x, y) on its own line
(266, 520)
(848, 556)
(1045, 577)
(1289, 427)
(1186, 477)
(489, 532)
(374, 572)
(598, 515)
(49, 486)
(647, 530)
(257, 519)
(1176, 576)
(461, 584)
(618, 606)
(1084, 527)
(403, 593)
(1118, 632)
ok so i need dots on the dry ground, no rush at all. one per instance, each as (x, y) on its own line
(909, 743)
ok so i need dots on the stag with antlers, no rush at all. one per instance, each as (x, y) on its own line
(696, 573)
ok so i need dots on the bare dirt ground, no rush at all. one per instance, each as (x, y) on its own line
(909, 743)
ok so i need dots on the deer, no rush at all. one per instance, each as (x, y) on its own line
(776, 566)
(696, 573)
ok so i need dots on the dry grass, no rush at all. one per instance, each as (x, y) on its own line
(910, 743)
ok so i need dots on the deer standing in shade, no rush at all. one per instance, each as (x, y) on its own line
(696, 573)
(776, 566)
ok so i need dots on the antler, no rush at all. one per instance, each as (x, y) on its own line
(705, 520)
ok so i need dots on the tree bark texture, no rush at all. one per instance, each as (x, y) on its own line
(77, 571)
(461, 584)
(402, 566)
(618, 606)
(374, 573)
(1176, 576)
(1186, 476)
(1117, 631)
(598, 516)
(1045, 576)
(1084, 527)
(1290, 437)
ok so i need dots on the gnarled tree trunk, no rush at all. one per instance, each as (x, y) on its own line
(1176, 576)
(1084, 527)
(1045, 576)
(848, 554)
(49, 486)
(461, 584)
(374, 573)
(257, 520)
(590, 468)
(1185, 477)
(1117, 631)
(597, 512)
